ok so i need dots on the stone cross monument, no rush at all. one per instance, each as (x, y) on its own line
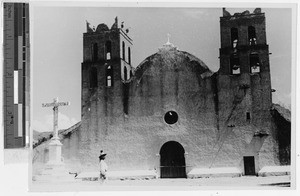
(55, 145)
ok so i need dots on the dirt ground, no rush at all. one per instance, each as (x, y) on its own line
(238, 183)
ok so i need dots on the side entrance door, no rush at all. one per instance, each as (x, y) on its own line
(249, 165)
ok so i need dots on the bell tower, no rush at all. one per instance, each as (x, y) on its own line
(244, 75)
(106, 68)
(244, 85)
(243, 43)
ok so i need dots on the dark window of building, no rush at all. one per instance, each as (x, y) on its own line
(130, 73)
(93, 77)
(125, 73)
(249, 165)
(123, 50)
(254, 63)
(248, 117)
(235, 67)
(251, 35)
(95, 52)
(109, 74)
(234, 37)
(108, 50)
(129, 56)
(171, 117)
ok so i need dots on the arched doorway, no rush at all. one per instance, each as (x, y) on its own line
(172, 161)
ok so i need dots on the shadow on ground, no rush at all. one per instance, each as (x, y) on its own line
(282, 184)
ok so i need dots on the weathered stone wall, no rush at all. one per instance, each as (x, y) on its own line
(282, 125)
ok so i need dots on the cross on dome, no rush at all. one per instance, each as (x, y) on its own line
(168, 35)
(168, 45)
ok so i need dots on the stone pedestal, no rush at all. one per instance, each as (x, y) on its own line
(55, 170)
(55, 157)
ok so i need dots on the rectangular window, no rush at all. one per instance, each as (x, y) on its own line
(108, 56)
(254, 63)
(123, 50)
(109, 75)
(248, 117)
(95, 52)
(235, 65)
(234, 37)
(108, 49)
(108, 81)
(251, 35)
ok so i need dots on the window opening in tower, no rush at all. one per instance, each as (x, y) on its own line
(129, 56)
(125, 73)
(254, 63)
(234, 38)
(95, 52)
(108, 50)
(235, 65)
(251, 35)
(123, 50)
(109, 76)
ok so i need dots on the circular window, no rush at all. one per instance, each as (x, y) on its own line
(171, 117)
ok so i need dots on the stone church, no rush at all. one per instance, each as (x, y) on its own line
(172, 114)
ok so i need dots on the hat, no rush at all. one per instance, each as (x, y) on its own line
(102, 154)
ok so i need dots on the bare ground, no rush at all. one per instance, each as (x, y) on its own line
(237, 183)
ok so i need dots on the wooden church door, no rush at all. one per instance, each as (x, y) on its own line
(172, 161)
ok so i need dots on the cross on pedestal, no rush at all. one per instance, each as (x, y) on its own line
(55, 144)
(55, 104)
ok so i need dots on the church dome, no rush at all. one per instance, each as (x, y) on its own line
(169, 57)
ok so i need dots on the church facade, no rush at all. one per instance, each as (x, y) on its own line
(171, 113)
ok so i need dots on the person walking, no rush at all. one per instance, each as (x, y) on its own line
(103, 167)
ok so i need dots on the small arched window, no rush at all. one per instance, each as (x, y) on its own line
(108, 50)
(109, 74)
(129, 56)
(125, 73)
(123, 50)
(93, 77)
(251, 35)
(234, 37)
(95, 52)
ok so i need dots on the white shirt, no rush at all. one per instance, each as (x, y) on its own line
(103, 167)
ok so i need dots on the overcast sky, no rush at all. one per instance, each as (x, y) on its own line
(58, 48)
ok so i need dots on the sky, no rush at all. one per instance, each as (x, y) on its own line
(58, 48)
